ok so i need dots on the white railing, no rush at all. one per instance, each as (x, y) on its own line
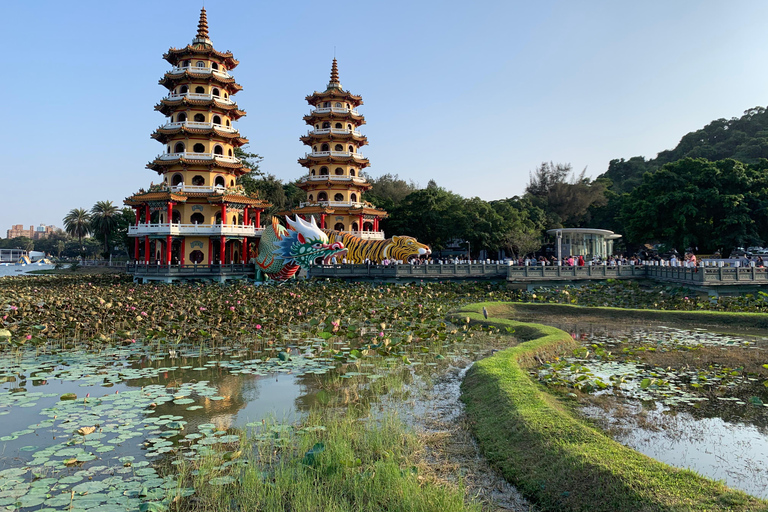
(198, 96)
(333, 177)
(219, 189)
(368, 235)
(196, 124)
(337, 110)
(194, 229)
(197, 156)
(333, 203)
(338, 131)
(318, 154)
(197, 70)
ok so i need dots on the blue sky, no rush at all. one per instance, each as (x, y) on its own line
(471, 94)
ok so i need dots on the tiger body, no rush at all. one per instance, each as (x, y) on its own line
(359, 250)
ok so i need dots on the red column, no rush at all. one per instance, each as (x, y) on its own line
(146, 249)
(223, 249)
(168, 245)
(210, 252)
(245, 216)
(258, 218)
(169, 213)
(136, 249)
(138, 214)
(360, 224)
(183, 250)
(322, 221)
(246, 250)
(243, 249)
(146, 214)
(223, 214)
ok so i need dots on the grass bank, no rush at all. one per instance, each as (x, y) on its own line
(559, 461)
(687, 318)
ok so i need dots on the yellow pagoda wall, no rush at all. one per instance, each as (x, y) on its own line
(192, 243)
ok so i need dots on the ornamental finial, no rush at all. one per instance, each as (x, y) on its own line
(334, 75)
(202, 28)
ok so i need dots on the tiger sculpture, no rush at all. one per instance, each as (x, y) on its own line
(403, 248)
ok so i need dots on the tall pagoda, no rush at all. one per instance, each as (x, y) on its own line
(197, 215)
(333, 183)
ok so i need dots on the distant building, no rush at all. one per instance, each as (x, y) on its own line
(34, 232)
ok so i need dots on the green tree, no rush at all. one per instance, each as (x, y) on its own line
(388, 190)
(104, 220)
(431, 215)
(698, 203)
(77, 223)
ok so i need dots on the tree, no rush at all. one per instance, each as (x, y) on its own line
(698, 203)
(431, 215)
(388, 190)
(104, 220)
(78, 223)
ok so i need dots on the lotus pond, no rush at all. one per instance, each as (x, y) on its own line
(104, 385)
(691, 398)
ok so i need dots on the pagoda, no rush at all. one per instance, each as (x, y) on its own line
(333, 183)
(197, 216)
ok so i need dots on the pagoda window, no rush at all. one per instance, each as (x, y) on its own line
(349, 127)
(326, 104)
(339, 171)
(339, 226)
(338, 197)
(198, 181)
(199, 89)
(325, 147)
(218, 218)
(196, 256)
(219, 181)
(322, 196)
(214, 65)
(351, 172)
(339, 125)
(351, 149)
(311, 198)
(216, 120)
(176, 217)
(354, 226)
(186, 63)
(179, 147)
(347, 105)
(197, 218)
(338, 105)
(231, 183)
(198, 148)
(200, 64)
(182, 117)
(226, 95)
(178, 179)
(230, 152)
(314, 149)
(367, 226)
(338, 147)
(227, 122)
(326, 124)
(218, 150)
(215, 91)
(312, 172)
(317, 127)
(323, 171)
(199, 118)
(184, 89)
(353, 197)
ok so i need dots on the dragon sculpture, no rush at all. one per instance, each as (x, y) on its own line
(403, 248)
(282, 251)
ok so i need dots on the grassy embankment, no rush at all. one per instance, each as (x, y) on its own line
(555, 459)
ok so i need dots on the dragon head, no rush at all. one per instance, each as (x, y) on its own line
(305, 244)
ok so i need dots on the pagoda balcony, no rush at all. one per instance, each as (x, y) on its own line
(335, 110)
(197, 70)
(200, 126)
(340, 154)
(336, 131)
(333, 177)
(198, 96)
(198, 156)
(217, 189)
(347, 204)
(195, 229)
(367, 235)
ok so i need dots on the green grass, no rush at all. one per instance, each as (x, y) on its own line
(559, 461)
(360, 463)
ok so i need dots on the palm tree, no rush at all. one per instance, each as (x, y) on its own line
(78, 223)
(104, 221)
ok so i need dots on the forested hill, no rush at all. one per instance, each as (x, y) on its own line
(744, 139)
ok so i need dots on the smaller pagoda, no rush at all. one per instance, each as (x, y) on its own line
(333, 183)
(197, 222)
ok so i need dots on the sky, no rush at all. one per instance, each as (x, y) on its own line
(474, 95)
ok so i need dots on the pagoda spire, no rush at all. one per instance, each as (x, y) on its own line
(202, 29)
(334, 76)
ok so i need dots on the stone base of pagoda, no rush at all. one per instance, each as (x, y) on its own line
(146, 272)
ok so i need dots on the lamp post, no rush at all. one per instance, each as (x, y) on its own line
(559, 247)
